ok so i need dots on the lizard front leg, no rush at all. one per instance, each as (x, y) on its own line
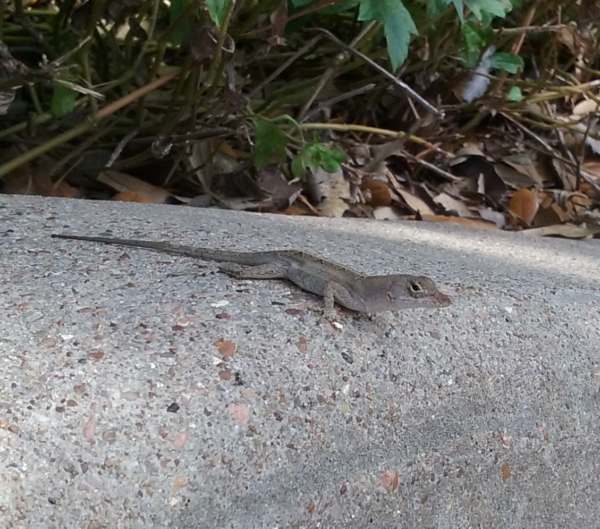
(334, 291)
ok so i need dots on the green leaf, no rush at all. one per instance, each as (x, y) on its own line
(302, 3)
(506, 61)
(269, 144)
(315, 155)
(437, 7)
(298, 168)
(515, 94)
(338, 7)
(398, 26)
(458, 5)
(474, 42)
(486, 10)
(63, 100)
(217, 10)
(177, 7)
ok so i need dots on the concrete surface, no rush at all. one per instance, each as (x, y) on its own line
(136, 392)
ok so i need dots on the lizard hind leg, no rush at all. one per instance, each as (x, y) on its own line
(207, 268)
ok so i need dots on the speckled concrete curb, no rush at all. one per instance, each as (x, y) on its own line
(138, 390)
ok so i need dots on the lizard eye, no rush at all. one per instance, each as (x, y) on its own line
(416, 288)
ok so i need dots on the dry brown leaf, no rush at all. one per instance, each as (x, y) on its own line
(491, 185)
(278, 19)
(579, 132)
(414, 203)
(230, 152)
(565, 173)
(203, 42)
(565, 37)
(295, 210)
(475, 223)
(543, 169)
(132, 196)
(467, 150)
(124, 182)
(566, 231)
(550, 216)
(558, 207)
(377, 193)
(592, 166)
(29, 180)
(589, 191)
(472, 167)
(272, 182)
(202, 160)
(523, 207)
(585, 107)
(460, 186)
(484, 174)
(334, 189)
(546, 199)
(59, 189)
(576, 203)
(591, 169)
(491, 215)
(387, 213)
(519, 175)
(361, 211)
(244, 204)
(453, 205)
(9, 67)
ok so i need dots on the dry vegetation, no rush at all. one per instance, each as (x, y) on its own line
(480, 111)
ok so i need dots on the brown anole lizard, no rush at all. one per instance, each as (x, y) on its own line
(334, 282)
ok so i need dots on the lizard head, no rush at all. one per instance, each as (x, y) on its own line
(396, 292)
(405, 292)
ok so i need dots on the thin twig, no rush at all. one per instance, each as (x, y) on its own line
(384, 72)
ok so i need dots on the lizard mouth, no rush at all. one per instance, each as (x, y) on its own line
(443, 300)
